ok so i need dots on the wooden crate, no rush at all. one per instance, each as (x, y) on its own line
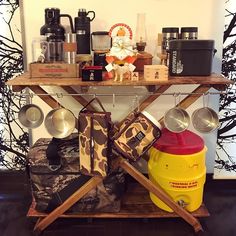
(56, 70)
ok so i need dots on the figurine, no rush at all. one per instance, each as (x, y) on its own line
(121, 71)
(121, 55)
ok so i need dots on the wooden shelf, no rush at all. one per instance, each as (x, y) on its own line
(25, 80)
(136, 203)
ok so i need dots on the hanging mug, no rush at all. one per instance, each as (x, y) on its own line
(31, 116)
(60, 122)
(176, 119)
(205, 119)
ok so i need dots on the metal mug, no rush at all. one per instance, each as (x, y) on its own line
(31, 116)
(205, 120)
(60, 122)
(176, 120)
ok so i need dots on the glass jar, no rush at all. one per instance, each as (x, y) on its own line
(39, 48)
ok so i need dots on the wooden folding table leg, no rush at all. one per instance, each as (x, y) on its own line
(37, 222)
(160, 194)
(93, 182)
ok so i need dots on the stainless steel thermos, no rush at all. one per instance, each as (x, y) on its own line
(82, 29)
(168, 33)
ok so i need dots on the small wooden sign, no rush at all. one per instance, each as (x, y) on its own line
(155, 72)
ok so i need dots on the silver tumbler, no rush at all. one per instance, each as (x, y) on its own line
(70, 48)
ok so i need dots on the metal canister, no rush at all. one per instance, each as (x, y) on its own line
(70, 48)
(83, 60)
(189, 32)
(168, 33)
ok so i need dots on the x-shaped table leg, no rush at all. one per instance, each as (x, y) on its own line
(158, 191)
(51, 217)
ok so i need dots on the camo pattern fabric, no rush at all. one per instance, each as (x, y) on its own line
(136, 136)
(94, 129)
(45, 182)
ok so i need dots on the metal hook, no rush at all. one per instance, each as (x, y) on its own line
(137, 103)
(179, 95)
(113, 100)
(59, 95)
(31, 95)
(206, 99)
(175, 95)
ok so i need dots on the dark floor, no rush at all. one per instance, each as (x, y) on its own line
(15, 198)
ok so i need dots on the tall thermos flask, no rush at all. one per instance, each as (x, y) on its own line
(55, 33)
(82, 30)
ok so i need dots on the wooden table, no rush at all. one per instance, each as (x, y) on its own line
(157, 88)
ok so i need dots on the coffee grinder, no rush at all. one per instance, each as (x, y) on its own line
(82, 29)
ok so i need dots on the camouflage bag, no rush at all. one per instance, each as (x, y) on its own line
(94, 140)
(136, 135)
(52, 186)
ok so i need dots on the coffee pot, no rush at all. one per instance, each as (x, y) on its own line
(55, 34)
(82, 30)
(52, 28)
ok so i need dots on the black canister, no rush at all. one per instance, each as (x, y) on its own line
(191, 57)
(168, 33)
(99, 59)
(82, 29)
(189, 32)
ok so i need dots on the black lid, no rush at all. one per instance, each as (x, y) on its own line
(52, 10)
(189, 29)
(170, 30)
(82, 12)
(178, 44)
(52, 15)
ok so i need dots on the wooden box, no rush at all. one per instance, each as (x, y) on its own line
(58, 70)
(155, 72)
(143, 58)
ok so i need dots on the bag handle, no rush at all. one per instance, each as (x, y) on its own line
(54, 159)
(94, 99)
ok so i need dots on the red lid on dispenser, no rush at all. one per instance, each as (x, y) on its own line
(182, 143)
